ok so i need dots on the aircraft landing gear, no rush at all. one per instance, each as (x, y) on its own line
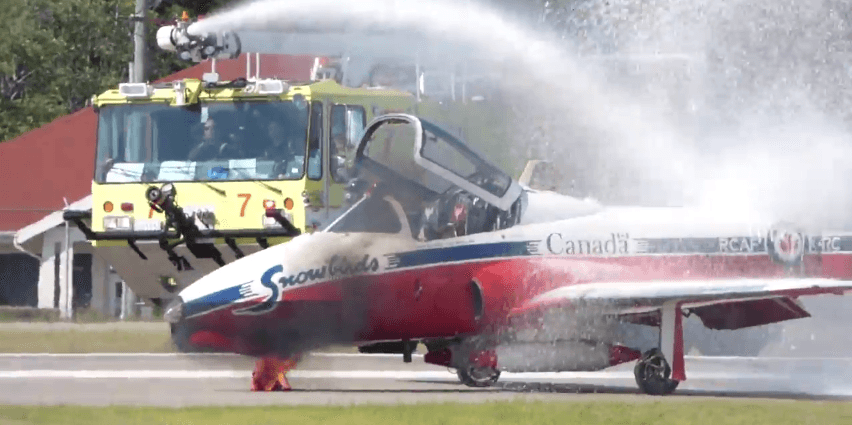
(475, 376)
(474, 367)
(480, 369)
(653, 374)
(660, 370)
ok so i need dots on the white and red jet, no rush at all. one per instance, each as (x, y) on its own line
(444, 248)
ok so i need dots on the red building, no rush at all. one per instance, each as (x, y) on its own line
(42, 170)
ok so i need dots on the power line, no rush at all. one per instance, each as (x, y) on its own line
(30, 209)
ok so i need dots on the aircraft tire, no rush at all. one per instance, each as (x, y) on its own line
(473, 377)
(652, 373)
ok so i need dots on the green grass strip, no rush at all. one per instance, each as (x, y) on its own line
(682, 411)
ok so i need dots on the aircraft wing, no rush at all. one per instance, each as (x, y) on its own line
(721, 303)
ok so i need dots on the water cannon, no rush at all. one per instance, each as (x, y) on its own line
(161, 198)
(198, 47)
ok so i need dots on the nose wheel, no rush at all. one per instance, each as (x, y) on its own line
(653, 374)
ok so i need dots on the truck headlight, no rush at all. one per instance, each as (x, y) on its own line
(118, 223)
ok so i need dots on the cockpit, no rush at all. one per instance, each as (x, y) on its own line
(412, 176)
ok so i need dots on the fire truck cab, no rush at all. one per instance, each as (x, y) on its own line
(193, 174)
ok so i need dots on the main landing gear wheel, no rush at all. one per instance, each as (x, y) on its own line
(652, 374)
(478, 376)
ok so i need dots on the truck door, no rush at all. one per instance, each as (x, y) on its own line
(346, 126)
(315, 193)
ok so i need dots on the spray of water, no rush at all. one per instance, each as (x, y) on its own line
(633, 134)
(774, 107)
(776, 136)
(760, 76)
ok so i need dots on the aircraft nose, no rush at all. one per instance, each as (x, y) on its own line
(174, 311)
(193, 334)
(175, 316)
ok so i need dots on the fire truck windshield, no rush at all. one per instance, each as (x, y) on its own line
(213, 141)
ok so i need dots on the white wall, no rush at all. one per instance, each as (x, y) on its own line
(6, 245)
(100, 291)
(46, 279)
(104, 296)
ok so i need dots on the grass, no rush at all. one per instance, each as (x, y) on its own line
(75, 338)
(114, 337)
(680, 411)
(51, 315)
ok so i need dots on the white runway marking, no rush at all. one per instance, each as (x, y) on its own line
(381, 355)
(113, 354)
(179, 355)
(330, 374)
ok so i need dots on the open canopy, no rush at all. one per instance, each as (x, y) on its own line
(426, 181)
(401, 149)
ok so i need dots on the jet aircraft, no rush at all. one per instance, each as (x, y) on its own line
(443, 248)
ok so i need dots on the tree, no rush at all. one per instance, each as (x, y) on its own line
(28, 46)
(198, 7)
(58, 53)
(61, 52)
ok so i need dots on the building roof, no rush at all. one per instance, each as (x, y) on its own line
(30, 237)
(43, 168)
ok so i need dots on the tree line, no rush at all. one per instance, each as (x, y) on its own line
(55, 54)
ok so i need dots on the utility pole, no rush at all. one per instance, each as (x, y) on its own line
(137, 75)
(139, 47)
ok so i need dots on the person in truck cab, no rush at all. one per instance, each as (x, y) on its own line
(338, 158)
(279, 147)
(286, 149)
(211, 142)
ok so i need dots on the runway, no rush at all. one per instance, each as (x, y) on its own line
(178, 380)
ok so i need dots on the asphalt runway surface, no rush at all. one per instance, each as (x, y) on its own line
(179, 380)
